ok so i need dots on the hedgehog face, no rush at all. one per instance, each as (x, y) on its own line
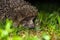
(28, 22)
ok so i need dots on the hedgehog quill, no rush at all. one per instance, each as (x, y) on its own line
(20, 11)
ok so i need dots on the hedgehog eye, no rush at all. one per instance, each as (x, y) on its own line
(24, 23)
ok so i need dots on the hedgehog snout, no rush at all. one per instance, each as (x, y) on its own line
(29, 24)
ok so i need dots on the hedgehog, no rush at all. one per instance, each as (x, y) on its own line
(20, 11)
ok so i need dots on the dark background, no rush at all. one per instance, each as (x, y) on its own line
(43, 1)
(46, 5)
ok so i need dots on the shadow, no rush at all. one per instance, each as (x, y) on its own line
(46, 5)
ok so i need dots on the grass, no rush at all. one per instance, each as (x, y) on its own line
(47, 28)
